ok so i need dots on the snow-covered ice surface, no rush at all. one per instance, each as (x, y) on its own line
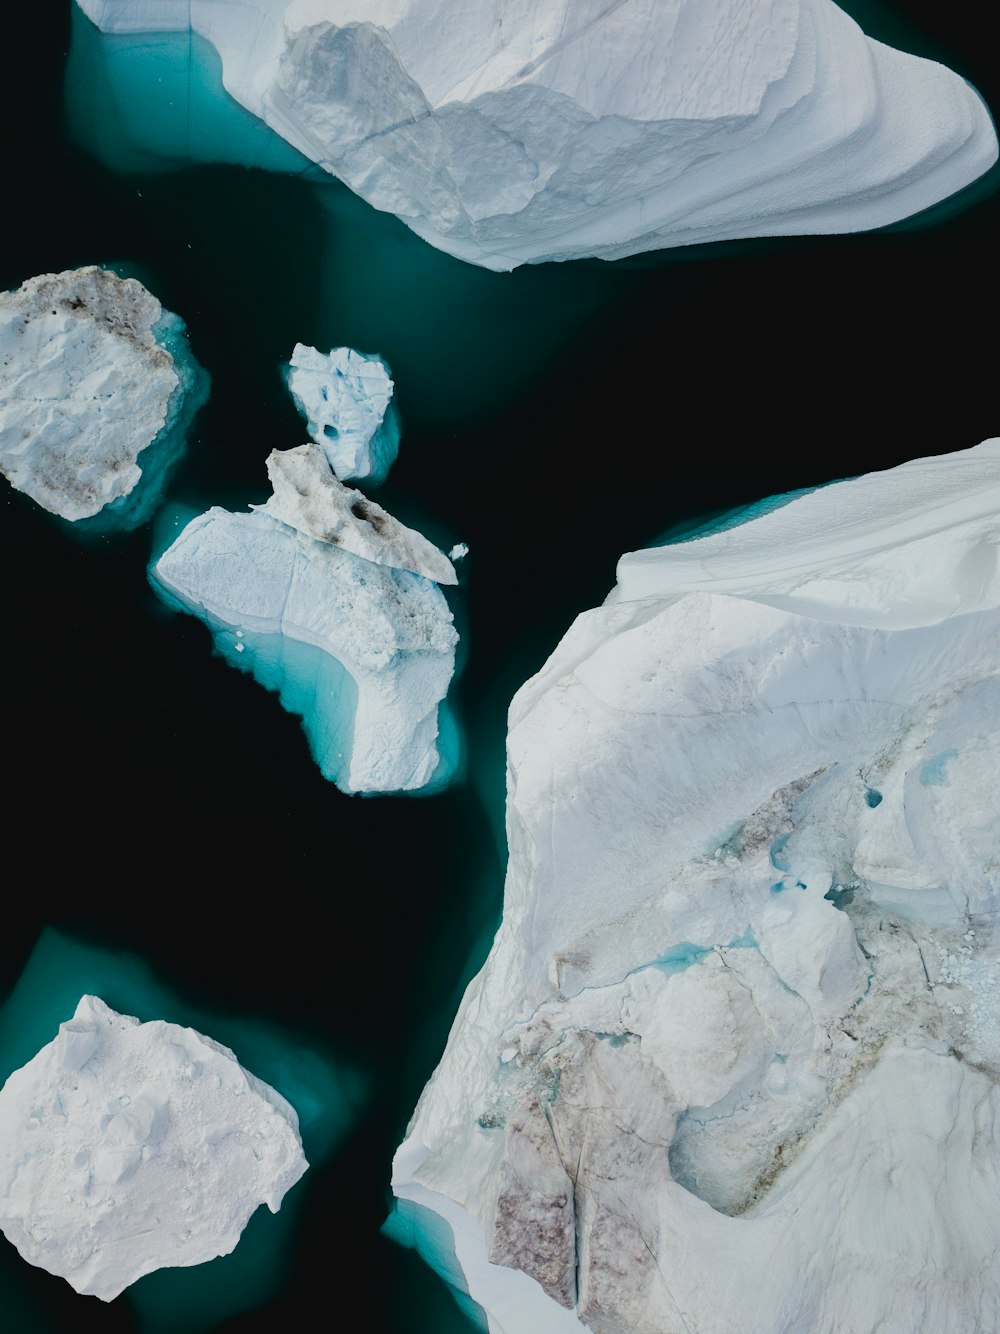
(127, 1147)
(731, 1066)
(346, 399)
(93, 374)
(326, 599)
(509, 131)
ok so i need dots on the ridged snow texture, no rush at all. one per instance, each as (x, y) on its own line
(732, 1064)
(507, 131)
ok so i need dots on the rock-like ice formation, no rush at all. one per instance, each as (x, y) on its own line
(309, 498)
(128, 1147)
(93, 373)
(505, 131)
(732, 1062)
(319, 596)
(346, 400)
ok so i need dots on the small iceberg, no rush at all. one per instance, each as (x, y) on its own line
(127, 1147)
(328, 600)
(346, 399)
(94, 373)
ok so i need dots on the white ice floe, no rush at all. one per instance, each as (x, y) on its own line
(93, 372)
(331, 605)
(732, 1062)
(127, 1147)
(346, 399)
(508, 131)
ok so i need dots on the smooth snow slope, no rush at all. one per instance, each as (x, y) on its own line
(513, 131)
(731, 1066)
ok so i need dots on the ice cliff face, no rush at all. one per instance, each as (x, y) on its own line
(516, 131)
(732, 1063)
(93, 372)
(346, 400)
(330, 601)
(127, 1147)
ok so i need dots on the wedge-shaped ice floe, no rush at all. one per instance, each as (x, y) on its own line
(363, 648)
(346, 399)
(93, 375)
(505, 132)
(732, 1063)
(309, 498)
(127, 1147)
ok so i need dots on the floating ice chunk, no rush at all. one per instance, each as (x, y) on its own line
(458, 551)
(506, 133)
(127, 1147)
(93, 374)
(363, 650)
(309, 499)
(346, 400)
(732, 1062)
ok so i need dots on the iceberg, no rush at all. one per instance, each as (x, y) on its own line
(328, 600)
(127, 1147)
(93, 374)
(346, 399)
(733, 1060)
(506, 133)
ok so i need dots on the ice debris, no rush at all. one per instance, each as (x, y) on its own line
(97, 387)
(126, 1147)
(346, 399)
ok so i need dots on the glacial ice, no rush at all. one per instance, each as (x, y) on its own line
(93, 374)
(346, 399)
(732, 1062)
(328, 601)
(126, 1147)
(505, 132)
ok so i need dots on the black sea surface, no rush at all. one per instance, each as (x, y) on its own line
(163, 812)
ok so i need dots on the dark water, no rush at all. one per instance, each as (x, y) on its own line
(161, 806)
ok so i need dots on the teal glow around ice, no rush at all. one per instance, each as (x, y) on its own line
(411, 1224)
(327, 1100)
(164, 452)
(720, 521)
(147, 102)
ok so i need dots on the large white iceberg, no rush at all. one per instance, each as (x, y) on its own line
(346, 399)
(97, 388)
(506, 131)
(128, 1147)
(732, 1063)
(331, 602)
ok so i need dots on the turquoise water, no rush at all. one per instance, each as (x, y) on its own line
(327, 1096)
(552, 418)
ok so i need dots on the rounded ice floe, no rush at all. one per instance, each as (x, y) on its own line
(506, 132)
(126, 1147)
(732, 1063)
(346, 399)
(93, 372)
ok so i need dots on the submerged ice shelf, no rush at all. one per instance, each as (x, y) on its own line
(331, 602)
(127, 1147)
(97, 391)
(732, 1063)
(504, 133)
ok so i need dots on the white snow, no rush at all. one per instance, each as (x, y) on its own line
(85, 386)
(732, 1063)
(346, 399)
(509, 131)
(305, 571)
(127, 1147)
